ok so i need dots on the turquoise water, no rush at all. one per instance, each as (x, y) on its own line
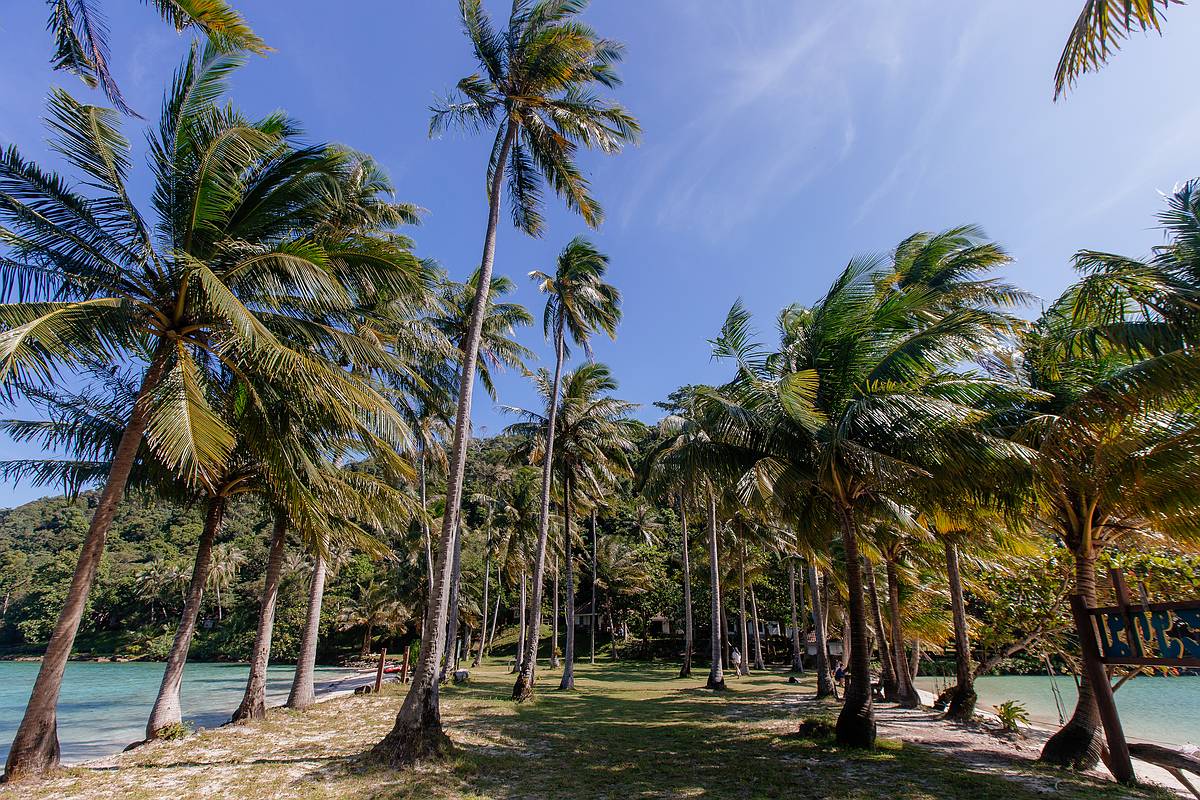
(1152, 709)
(103, 707)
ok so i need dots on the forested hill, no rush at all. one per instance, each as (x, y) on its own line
(135, 604)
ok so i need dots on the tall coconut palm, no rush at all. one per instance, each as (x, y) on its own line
(496, 349)
(1098, 32)
(580, 303)
(230, 195)
(594, 438)
(81, 36)
(532, 88)
(867, 398)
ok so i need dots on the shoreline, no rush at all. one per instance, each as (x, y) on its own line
(329, 689)
(202, 712)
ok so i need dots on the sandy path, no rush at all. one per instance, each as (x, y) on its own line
(982, 746)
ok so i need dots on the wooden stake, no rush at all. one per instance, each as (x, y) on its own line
(379, 670)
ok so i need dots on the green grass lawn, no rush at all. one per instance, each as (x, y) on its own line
(630, 730)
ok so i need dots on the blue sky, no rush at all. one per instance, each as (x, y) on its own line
(781, 138)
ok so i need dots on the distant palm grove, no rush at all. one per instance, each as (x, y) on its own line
(259, 390)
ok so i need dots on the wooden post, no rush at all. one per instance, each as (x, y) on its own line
(1132, 634)
(404, 665)
(379, 670)
(1118, 748)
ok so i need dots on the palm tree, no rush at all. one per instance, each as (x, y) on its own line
(1099, 31)
(227, 560)
(1117, 461)
(688, 452)
(81, 37)
(579, 303)
(867, 398)
(892, 542)
(532, 87)
(156, 579)
(372, 608)
(594, 438)
(622, 575)
(230, 195)
(497, 349)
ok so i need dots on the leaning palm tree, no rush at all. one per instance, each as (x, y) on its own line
(594, 438)
(580, 303)
(533, 88)
(230, 195)
(81, 37)
(1117, 461)
(867, 399)
(1098, 32)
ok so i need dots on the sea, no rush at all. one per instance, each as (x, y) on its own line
(104, 706)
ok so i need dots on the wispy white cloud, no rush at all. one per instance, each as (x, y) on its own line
(911, 162)
(773, 111)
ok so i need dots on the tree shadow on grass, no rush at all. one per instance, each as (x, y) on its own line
(647, 734)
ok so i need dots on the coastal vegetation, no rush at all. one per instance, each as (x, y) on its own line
(255, 392)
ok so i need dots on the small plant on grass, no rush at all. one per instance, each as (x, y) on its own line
(1011, 714)
(178, 730)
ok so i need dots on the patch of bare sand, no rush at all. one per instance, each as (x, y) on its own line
(985, 748)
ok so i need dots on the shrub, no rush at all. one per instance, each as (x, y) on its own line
(1011, 714)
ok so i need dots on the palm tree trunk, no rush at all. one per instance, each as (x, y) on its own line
(906, 693)
(425, 523)
(612, 630)
(847, 645)
(1079, 743)
(418, 732)
(594, 610)
(716, 674)
(451, 654)
(726, 658)
(962, 695)
(554, 651)
(758, 650)
(521, 630)
(496, 611)
(824, 675)
(688, 637)
(887, 665)
(254, 702)
(743, 631)
(487, 577)
(302, 694)
(797, 659)
(34, 749)
(568, 676)
(523, 688)
(166, 711)
(365, 649)
(856, 722)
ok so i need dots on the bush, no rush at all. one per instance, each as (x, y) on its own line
(816, 729)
